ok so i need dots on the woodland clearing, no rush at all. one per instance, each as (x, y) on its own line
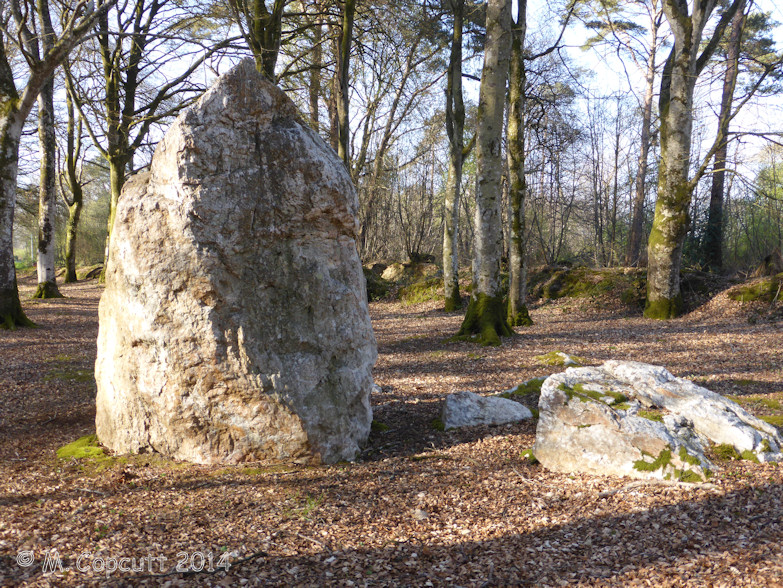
(421, 507)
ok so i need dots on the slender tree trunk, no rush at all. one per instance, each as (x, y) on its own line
(517, 187)
(455, 129)
(73, 150)
(485, 320)
(47, 190)
(343, 88)
(116, 182)
(713, 238)
(637, 219)
(314, 92)
(11, 314)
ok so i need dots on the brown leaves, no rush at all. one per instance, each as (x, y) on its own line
(423, 507)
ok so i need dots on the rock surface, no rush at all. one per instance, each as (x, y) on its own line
(466, 409)
(234, 325)
(638, 420)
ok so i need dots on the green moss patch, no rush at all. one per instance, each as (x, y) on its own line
(422, 291)
(686, 457)
(725, 452)
(558, 358)
(763, 290)
(619, 401)
(658, 463)
(532, 386)
(378, 427)
(773, 419)
(748, 455)
(86, 447)
(650, 415)
(437, 424)
(527, 454)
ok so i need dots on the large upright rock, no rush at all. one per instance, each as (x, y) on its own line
(234, 325)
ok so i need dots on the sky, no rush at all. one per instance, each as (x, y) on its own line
(609, 77)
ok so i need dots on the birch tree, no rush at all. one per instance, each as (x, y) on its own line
(485, 321)
(687, 21)
(15, 106)
(38, 45)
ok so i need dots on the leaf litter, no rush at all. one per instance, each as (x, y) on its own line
(420, 507)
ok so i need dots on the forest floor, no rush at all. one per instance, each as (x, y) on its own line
(421, 507)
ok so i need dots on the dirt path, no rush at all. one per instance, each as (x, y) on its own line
(422, 507)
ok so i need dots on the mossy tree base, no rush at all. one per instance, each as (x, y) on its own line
(453, 300)
(485, 321)
(47, 290)
(70, 276)
(520, 319)
(663, 308)
(11, 314)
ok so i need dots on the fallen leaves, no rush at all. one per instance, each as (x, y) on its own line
(421, 507)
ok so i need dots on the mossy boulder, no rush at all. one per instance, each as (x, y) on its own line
(553, 282)
(409, 272)
(767, 289)
(559, 358)
(377, 287)
(421, 291)
(638, 420)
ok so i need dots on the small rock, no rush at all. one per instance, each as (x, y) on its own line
(465, 409)
(420, 514)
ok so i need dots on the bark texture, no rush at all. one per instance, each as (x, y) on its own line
(637, 219)
(455, 130)
(518, 315)
(485, 320)
(47, 195)
(675, 187)
(713, 237)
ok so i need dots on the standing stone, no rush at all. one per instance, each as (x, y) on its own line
(234, 325)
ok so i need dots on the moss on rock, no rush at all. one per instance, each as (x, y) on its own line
(558, 358)
(765, 290)
(725, 452)
(421, 291)
(658, 463)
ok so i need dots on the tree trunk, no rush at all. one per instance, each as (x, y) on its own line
(675, 188)
(314, 92)
(116, 182)
(517, 187)
(47, 190)
(713, 238)
(672, 221)
(485, 320)
(11, 314)
(343, 88)
(455, 128)
(637, 219)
